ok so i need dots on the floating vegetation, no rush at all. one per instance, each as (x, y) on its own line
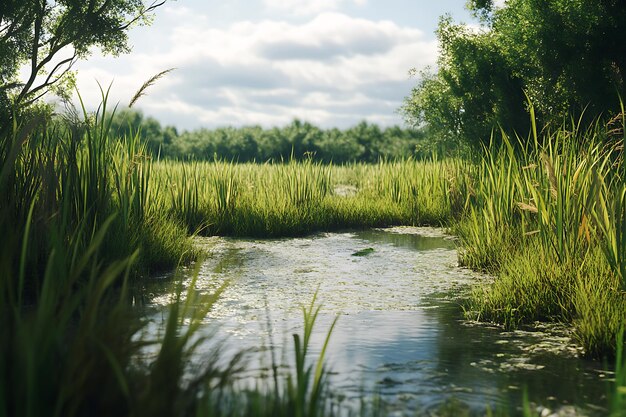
(364, 252)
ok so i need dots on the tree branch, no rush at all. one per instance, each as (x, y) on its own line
(34, 53)
(34, 99)
(49, 81)
(155, 4)
(71, 60)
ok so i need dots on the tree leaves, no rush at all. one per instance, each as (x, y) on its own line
(50, 35)
(568, 57)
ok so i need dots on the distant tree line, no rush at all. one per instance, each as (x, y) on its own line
(364, 142)
(566, 57)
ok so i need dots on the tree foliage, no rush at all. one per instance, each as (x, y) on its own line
(364, 142)
(567, 57)
(48, 36)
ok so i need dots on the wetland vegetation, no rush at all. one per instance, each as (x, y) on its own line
(89, 215)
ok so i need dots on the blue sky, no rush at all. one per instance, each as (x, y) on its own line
(330, 62)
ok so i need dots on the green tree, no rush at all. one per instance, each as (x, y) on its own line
(473, 92)
(364, 142)
(338, 147)
(302, 138)
(567, 56)
(48, 36)
(571, 54)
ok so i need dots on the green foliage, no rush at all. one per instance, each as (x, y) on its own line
(570, 53)
(472, 91)
(547, 219)
(565, 56)
(39, 33)
(299, 140)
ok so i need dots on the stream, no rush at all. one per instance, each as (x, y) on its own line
(400, 336)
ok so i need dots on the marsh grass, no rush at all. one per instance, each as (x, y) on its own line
(547, 219)
(296, 198)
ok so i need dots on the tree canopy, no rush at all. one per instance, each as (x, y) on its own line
(566, 57)
(48, 36)
(364, 142)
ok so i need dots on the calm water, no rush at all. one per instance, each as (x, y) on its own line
(401, 334)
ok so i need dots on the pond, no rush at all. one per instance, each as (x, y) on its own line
(401, 335)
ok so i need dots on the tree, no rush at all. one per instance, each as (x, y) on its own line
(338, 147)
(568, 57)
(570, 53)
(474, 90)
(302, 139)
(48, 36)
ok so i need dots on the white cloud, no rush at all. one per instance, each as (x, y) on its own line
(308, 7)
(333, 70)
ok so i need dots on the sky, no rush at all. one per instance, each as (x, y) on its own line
(333, 63)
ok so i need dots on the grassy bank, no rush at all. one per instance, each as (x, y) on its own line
(546, 216)
(296, 198)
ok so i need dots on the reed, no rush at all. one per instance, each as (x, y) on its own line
(77, 225)
(295, 198)
(547, 218)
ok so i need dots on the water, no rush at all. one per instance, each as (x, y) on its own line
(401, 335)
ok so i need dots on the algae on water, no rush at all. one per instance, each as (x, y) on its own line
(363, 252)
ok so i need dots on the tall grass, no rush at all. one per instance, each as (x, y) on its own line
(295, 198)
(547, 219)
(70, 247)
(80, 217)
(83, 214)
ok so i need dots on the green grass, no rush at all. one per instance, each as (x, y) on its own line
(297, 198)
(84, 215)
(546, 218)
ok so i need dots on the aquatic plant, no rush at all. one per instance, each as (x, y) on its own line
(544, 212)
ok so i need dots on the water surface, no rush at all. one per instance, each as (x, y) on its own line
(401, 333)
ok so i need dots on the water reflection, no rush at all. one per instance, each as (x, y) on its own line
(400, 334)
(427, 240)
